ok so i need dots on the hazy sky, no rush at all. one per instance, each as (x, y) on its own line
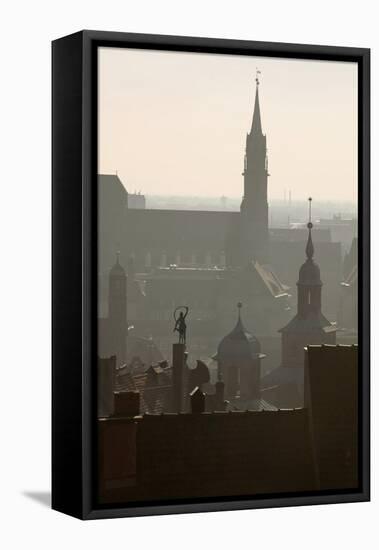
(176, 123)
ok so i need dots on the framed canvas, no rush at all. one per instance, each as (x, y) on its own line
(210, 274)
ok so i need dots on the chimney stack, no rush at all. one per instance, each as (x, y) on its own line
(178, 363)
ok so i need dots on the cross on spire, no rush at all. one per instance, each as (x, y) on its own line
(256, 126)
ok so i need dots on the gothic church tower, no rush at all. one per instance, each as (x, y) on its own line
(254, 207)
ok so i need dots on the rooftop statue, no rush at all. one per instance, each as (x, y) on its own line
(180, 323)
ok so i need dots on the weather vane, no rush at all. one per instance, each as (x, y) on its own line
(257, 72)
(180, 323)
(310, 224)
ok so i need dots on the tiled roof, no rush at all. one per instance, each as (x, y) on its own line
(250, 405)
(154, 387)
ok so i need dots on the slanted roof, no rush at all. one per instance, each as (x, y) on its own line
(352, 277)
(260, 404)
(283, 376)
(144, 348)
(270, 280)
(314, 322)
(155, 395)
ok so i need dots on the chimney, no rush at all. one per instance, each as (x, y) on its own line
(220, 391)
(126, 403)
(197, 401)
(178, 362)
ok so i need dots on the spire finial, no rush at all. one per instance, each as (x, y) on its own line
(256, 125)
(309, 250)
(118, 257)
(257, 72)
(310, 224)
(239, 305)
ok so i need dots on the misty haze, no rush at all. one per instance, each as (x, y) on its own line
(227, 276)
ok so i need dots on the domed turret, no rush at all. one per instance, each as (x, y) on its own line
(239, 357)
(239, 343)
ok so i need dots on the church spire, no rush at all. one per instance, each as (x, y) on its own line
(256, 126)
(253, 243)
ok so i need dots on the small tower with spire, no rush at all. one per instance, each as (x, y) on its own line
(309, 326)
(117, 314)
(254, 206)
(239, 362)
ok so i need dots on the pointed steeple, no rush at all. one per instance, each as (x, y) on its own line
(309, 273)
(256, 126)
(254, 238)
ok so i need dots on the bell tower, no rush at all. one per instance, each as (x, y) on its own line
(254, 206)
(309, 326)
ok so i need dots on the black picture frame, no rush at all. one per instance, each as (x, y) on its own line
(74, 294)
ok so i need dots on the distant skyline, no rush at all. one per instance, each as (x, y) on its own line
(176, 123)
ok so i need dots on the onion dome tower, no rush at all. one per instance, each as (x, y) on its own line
(309, 326)
(239, 362)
